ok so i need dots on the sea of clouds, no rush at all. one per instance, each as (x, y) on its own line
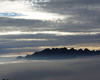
(86, 68)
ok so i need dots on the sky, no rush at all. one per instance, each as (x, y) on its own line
(27, 26)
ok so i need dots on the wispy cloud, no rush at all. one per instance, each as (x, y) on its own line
(56, 33)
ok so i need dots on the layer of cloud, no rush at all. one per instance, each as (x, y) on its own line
(72, 69)
(70, 23)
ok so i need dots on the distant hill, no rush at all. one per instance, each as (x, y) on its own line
(60, 53)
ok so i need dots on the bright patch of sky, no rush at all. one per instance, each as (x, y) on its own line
(23, 10)
(9, 14)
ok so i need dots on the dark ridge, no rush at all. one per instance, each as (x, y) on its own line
(60, 53)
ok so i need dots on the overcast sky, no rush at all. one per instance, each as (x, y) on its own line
(32, 25)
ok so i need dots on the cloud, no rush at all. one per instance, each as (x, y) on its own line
(86, 68)
(35, 42)
(24, 8)
(83, 13)
(69, 23)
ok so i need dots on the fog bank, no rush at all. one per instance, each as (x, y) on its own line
(86, 68)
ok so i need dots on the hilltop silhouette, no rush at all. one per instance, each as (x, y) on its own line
(60, 53)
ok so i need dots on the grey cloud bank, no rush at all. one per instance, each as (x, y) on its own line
(79, 27)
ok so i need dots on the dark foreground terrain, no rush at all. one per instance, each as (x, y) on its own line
(60, 53)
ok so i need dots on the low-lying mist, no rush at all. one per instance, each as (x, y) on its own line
(86, 68)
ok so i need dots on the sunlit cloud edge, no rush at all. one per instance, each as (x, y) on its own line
(56, 33)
